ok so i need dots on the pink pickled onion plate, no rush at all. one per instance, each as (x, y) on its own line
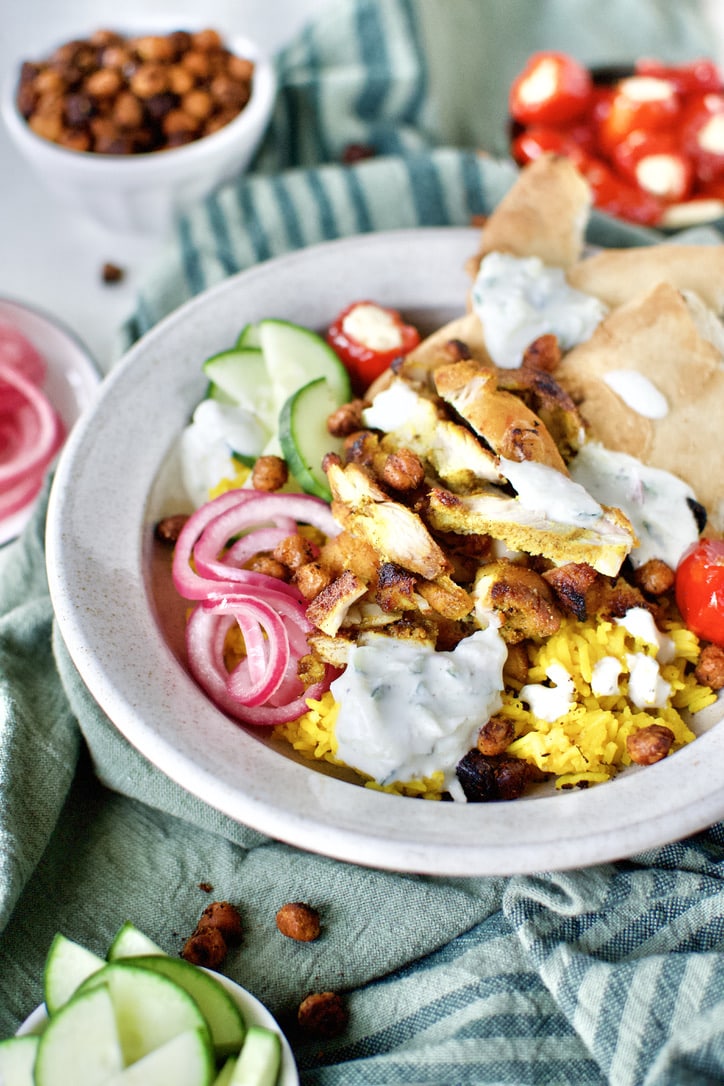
(212, 548)
(31, 433)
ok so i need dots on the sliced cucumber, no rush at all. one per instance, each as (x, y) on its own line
(223, 1017)
(81, 1043)
(130, 942)
(249, 336)
(17, 1059)
(259, 1060)
(149, 1008)
(304, 437)
(185, 1060)
(67, 965)
(240, 376)
(295, 355)
(224, 1076)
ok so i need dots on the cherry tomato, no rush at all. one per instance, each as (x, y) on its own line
(700, 589)
(552, 89)
(655, 162)
(703, 136)
(368, 338)
(701, 74)
(539, 140)
(639, 102)
(617, 197)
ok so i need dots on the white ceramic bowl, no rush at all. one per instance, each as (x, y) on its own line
(140, 193)
(255, 1014)
(123, 623)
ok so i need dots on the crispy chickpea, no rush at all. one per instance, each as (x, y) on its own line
(155, 47)
(127, 111)
(269, 473)
(47, 125)
(49, 81)
(655, 577)
(197, 63)
(180, 80)
(299, 921)
(102, 38)
(650, 744)
(227, 92)
(495, 736)
(206, 40)
(148, 80)
(220, 119)
(294, 551)
(105, 83)
(270, 567)
(322, 1014)
(74, 140)
(224, 917)
(403, 470)
(239, 68)
(197, 103)
(347, 419)
(169, 528)
(310, 579)
(178, 121)
(117, 56)
(709, 670)
(206, 948)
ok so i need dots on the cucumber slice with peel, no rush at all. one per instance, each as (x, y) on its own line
(67, 965)
(185, 1060)
(249, 336)
(240, 376)
(224, 1076)
(259, 1060)
(304, 437)
(130, 942)
(81, 1043)
(17, 1059)
(223, 1017)
(149, 1008)
(295, 355)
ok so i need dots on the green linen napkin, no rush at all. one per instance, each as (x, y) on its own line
(605, 974)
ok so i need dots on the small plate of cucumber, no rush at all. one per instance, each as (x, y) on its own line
(139, 1017)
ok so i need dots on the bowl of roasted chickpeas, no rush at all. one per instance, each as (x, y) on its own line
(132, 127)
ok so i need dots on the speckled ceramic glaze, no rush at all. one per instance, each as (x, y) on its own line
(109, 491)
(255, 1014)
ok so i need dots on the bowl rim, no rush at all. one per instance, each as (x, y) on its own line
(255, 113)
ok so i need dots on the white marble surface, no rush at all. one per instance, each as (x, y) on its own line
(53, 258)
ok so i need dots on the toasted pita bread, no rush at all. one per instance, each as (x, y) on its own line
(544, 214)
(421, 362)
(659, 336)
(617, 275)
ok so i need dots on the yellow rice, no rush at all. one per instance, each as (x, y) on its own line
(585, 746)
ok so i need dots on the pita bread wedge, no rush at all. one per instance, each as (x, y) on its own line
(658, 337)
(617, 275)
(421, 362)
(544, 214)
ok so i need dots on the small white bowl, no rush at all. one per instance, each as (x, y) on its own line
(255, 1014)
(72, 378)
(140, 193)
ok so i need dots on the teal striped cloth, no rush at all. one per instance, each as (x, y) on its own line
(612, 974)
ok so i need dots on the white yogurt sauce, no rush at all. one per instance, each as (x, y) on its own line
(604, 677)
(655, 501)
(640, 624)
(543, 489)
(407, 711)
(550, 702)
(646, 688)
(205, 446)
(638, 393)
(520, 298)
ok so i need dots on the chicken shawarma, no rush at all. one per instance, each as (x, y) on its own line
(495, 604)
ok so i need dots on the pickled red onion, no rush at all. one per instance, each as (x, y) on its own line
(264, 688)
(30, 434)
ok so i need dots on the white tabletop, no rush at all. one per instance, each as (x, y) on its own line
(51, 257)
